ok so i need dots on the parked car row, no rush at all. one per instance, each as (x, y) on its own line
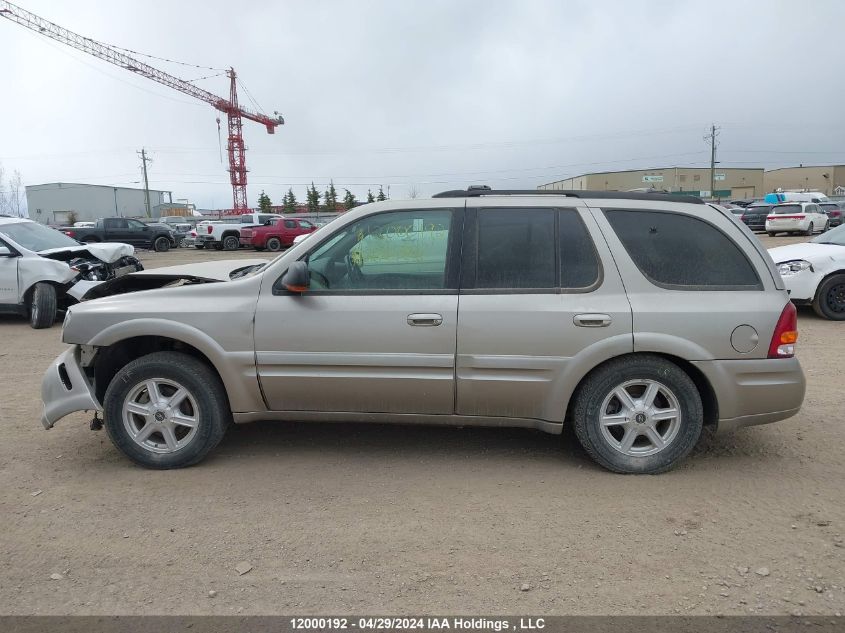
(790, 217)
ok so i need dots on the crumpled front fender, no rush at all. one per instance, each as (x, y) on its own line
(65, 389)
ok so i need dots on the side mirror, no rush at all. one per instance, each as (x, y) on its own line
(297, 279)
(5, 252)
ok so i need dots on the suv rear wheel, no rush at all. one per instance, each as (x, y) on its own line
(274, 244)
(231, 243)
(166, 410)
(161, 245)
(638, 414)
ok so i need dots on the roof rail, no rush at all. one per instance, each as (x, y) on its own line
(617, 195)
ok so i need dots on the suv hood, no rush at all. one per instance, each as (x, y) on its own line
(208, 271)
(204, 272)
(807, 251)
(108, 253)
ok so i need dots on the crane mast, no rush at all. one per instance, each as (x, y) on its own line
(234, 113)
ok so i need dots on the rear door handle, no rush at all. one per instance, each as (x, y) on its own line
(592, 320)
(425, 320)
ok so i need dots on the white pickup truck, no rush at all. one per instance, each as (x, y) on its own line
(226, 234)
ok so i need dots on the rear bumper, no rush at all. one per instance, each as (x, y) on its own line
(65, 389)
(751, 392)
(782, 226)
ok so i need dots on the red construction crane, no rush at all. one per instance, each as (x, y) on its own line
(234, 113)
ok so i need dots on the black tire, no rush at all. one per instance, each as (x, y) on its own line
(830, 298)
(809, 230)
(199, 247)
(586, 413)
(42, 306)
(274, 244)
(771, 233)
(826, 227)
(203, 385)
(161, 244)
(231, 243)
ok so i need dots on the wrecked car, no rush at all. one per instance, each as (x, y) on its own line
(43, 271)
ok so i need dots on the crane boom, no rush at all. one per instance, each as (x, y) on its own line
(234, 113)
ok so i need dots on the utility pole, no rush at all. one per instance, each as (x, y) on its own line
(714, 133)
(144, 159)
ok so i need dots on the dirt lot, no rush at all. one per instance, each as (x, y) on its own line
(352, 518)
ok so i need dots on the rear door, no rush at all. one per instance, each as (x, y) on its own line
(116, 230)
(539, 297)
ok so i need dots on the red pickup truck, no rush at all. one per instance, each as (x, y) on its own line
(275, 236)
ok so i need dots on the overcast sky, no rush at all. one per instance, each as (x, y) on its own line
(433, 94)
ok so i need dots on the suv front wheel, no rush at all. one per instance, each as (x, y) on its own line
(166, 410)
(638, 414)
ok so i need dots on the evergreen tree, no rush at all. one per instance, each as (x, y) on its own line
(349, 200)
(330, 198)
(264, 203)
(370, 196)
(381, 197)
(313, 199)
(289, 201)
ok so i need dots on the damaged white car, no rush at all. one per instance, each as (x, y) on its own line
(43, 270)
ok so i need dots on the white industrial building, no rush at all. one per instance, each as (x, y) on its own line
(53, 203)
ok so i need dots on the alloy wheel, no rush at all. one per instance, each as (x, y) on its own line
(640, 417)
(160, 415)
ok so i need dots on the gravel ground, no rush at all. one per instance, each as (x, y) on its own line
(353, 518)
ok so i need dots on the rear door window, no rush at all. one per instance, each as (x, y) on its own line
(682, 252)
(516, 249)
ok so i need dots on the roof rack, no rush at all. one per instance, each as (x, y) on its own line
(618, 195)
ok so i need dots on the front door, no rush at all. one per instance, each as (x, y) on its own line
(8, 278)
(138, 233)
(534, 297)
(375, 332)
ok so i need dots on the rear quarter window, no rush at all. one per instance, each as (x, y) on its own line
(682, 252)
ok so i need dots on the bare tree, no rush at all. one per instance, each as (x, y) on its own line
(413, 192)
(12, 194)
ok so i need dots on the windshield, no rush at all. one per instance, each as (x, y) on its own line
(782, 209)
(833, 236)
(36, 237)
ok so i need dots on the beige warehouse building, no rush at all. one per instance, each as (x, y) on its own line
(828, 179)
(730, 182)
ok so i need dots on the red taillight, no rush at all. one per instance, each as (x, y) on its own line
(210, 229)
(70, 233)
(786, 334)
(786, 217)
(834, 214)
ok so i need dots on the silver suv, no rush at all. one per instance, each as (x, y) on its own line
(638, 318)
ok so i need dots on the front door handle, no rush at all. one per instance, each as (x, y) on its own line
(425, 320)
(592, 320)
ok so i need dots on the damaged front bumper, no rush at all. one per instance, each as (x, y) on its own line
(65, 389)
